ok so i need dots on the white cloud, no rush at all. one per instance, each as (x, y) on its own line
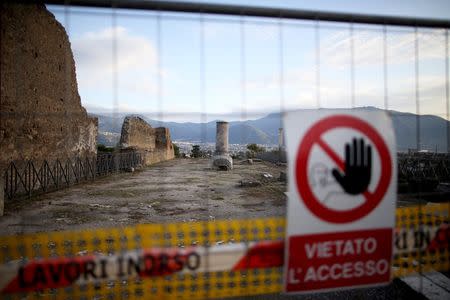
(135, 61)
(300, 91)
(98, 109)
(95, 50)
(368, 47)
(301, 87)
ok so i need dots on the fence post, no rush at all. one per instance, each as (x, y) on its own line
(116, 162)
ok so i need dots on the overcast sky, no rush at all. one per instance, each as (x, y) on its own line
(273, 69)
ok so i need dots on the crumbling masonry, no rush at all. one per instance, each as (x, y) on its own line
(41, 112)
(154, 142)
(41, 117)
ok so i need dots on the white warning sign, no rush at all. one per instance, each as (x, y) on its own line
(342, 192)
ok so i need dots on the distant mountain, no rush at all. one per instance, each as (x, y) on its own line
(109, 139)
(433, 130)
(245, 133)
(109, 123)
(268, 124)
(240, 132)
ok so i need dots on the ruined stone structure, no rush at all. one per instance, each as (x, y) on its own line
(222, 159)
(281, 145)
(221, 138)
(41, 112)
(139, 135)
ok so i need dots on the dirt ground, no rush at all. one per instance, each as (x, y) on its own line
(173, 191)
(179, 190)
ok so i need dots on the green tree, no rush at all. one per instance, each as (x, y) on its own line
(255, 148)
(103, 148)
(176, 150)
(195, 152)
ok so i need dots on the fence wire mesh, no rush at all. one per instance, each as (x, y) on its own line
(237, 64)
(31, 178)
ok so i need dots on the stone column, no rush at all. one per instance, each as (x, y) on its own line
(221, 138)
(280, 139)
(222, 159)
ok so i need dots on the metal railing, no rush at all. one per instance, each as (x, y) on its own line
(30, 178)
(419, 166)
(253, 11)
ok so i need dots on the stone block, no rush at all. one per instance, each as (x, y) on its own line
(223, 162)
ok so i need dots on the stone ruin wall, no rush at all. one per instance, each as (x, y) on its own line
(41, 112)
(154, 142)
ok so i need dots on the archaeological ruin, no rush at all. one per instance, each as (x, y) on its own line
(138, 135)
(41, 112)
(222, 159)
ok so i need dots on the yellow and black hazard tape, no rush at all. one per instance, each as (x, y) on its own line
(189, 260)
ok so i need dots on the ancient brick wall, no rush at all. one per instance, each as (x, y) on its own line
(137, 133)
(154, 142)
(41, 112)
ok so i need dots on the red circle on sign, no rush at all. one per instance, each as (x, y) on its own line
(313, 137)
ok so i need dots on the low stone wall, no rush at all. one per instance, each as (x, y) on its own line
(154, 142)
(275, 156)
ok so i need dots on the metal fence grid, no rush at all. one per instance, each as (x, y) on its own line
(422, 231)
(31, 178)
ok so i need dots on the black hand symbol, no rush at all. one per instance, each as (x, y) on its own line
(358, 168)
